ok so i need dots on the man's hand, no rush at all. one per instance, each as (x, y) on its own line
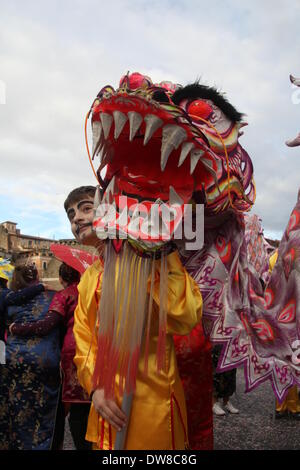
(109, 410)
(49, 287)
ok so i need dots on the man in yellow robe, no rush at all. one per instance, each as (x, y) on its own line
(158, 414)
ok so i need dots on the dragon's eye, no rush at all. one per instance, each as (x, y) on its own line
(199, 108)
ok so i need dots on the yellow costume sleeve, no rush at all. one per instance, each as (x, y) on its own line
(184, 297)
(272, 260)
(85, 326)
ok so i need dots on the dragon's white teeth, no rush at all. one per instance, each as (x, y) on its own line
(134, 225)
(100, 153)
(209, 167)
(110, 215)
(120, 120)
(168, 212)
(104, 161)
(97, 198)
(174, 198)
(151, 221)
(103, 151)
(98, 148)
(154, 224)
(145, 226)
(185, 150)
(164, 230)
(110, 191)
(135, 212)
(105, 213)
(123, 218)
(96, 129)
(173, 134)
(106, 120)
(165, 153)
(135, 120)
(111, 187)
(196, 154)
(100, 209)
(152, 124)
(158, 202)
(172, 137)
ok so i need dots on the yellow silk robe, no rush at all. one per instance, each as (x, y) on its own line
(155, 416)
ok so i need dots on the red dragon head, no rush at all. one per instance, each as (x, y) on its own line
(169, 145)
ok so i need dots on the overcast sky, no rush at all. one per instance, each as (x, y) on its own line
(56, 55)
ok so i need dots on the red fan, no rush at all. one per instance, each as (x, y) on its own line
(77, 259)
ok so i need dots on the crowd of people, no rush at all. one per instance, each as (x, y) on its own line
(39, 385)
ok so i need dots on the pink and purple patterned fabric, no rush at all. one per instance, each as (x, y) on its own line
(258, 330)
(259, 250)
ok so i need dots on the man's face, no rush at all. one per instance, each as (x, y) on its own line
(80, 215)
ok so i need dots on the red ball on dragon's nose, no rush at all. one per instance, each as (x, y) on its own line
(200, 108)
(136, 80)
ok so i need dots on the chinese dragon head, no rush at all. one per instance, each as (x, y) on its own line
(169, 145)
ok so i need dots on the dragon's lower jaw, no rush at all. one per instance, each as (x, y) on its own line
(149, 222)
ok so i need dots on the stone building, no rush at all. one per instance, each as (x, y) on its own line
(22, 249)
(14, 241)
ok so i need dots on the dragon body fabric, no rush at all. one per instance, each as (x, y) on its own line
(170, 146)
(259, 250)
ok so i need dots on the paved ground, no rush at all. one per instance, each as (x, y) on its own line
(254, 428)
(68, 441)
